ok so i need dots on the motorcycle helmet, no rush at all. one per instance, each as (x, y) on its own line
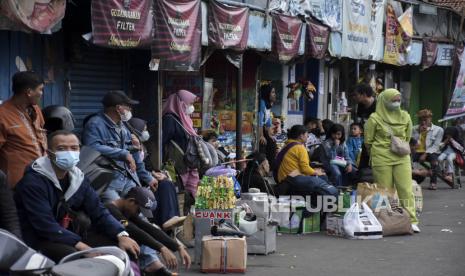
(58, 118)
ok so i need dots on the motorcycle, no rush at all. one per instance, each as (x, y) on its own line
(17, 259)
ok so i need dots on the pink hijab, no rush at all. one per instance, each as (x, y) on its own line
(177, 104)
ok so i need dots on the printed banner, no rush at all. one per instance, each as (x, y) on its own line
(457, 103)
(32, 15)
(122, 24)
(228, 26)
(287, 32)
(327, 11)
(398, 36)
(362, 29)
(430, 52)
(318, 40)
(177, 41)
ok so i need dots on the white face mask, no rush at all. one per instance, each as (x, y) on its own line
(126, 116)
(190, 109)
(393, 105)
(66, 160)
(144, 136)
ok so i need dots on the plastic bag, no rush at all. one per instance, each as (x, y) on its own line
(361, 223)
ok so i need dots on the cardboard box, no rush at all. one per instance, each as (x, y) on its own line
(224, 255)
(335, 225)
(203, 221)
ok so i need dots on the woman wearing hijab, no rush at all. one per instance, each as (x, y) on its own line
(178, 126)
(254, 173)
(391, 170)
(267, 100)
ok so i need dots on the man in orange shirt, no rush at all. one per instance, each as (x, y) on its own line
(22, 137)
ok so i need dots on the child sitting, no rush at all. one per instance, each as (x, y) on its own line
(355, 141)
(450, 147)
(335, 156)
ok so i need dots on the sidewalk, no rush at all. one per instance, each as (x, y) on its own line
(438, 250)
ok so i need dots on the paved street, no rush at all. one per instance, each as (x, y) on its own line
(438, 250)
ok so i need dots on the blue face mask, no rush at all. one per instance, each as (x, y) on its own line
(66, 160)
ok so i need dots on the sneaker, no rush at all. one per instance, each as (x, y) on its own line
(415, 228)
(173, 223)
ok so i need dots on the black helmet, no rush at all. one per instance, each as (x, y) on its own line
(58, 118)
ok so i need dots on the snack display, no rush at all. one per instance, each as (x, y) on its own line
(216, 193)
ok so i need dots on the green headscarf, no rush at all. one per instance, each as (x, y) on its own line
(395, 118)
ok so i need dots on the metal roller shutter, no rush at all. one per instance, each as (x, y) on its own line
(94, 74)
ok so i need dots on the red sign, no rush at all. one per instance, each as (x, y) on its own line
(287, 32)
(228, 26)
(122, 24)
(318, 40)
(32, 15)
(430, 52)
(176, 45)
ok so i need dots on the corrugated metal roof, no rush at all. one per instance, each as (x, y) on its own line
(456, 5)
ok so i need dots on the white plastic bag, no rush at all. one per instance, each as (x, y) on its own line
(361, 223)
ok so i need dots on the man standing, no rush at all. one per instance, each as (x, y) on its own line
(365, 98)
(22, 137)
(106, 133)
(429, 137)
(52, 198)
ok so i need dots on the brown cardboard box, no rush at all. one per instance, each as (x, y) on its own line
(223, 255)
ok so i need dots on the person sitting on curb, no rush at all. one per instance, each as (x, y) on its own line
(127, 210)
(429, 137)
(293, 167)
(53, 198)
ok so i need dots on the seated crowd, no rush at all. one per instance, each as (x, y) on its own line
(59, 211)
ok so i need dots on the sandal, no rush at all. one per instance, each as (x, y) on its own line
(433, 187)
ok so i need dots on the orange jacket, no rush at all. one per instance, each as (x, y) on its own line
(22, 140)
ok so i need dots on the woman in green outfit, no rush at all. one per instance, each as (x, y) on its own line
(389, 169)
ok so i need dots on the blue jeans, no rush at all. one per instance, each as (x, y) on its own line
(147, 256)
(308, 185)
(118, 188)
(337, 175)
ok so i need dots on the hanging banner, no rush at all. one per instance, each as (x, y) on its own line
(32, 15)
(228, 26)
(430, 52)
(457, 103)
(287, 32)
(318, 40)
(362, 29)
(327, 11)
(414, 55)
(122, 24)
(177, 39)
(398, 36)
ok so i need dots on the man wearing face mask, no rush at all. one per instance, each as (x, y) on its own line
(51, 194)
(21, 126)
(107, 133)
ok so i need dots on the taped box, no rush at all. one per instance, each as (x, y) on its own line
(223, 255)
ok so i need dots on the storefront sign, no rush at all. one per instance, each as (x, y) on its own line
(362, 29)
(122, 24)
(287, 32)
(31, 15)
(430, 52)
(228, 26)
(445, 55)
(335, 44)
(414, 55)
(318, 40)
(398, 40)
(260, 30)
(177, 42)
(327, 11)
(457, 103)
